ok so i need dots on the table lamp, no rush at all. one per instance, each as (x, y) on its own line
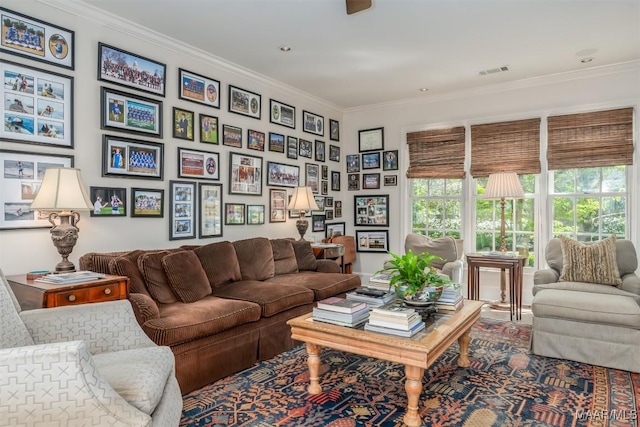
(304, 201)
(63, 192)
(503, 185)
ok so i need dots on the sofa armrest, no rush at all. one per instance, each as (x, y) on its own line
(144, 308)
(453, 270)
(328, 266)
(631, 283)
(544, 276)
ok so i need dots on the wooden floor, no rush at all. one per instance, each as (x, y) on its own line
(491, 313)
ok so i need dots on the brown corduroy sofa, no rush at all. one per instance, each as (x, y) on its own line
(223, 306)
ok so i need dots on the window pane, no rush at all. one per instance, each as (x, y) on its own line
(484, 242)
(454, 187)
(435, 214)
(419, 210)
(563, 217)
(436, 187)
(587, 215)
(588, 180)
(484, 214)
(614, 179)
(452, 218)
(419, 187)
(564, 181)
(613, 216)
(525, 215)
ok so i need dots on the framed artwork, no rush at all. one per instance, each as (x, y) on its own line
(208, 129)
(371, 210)
(353, 163)
(255, 214)
(370, 181)
(37, 105)
(317, 222)
(232, 136)
(325, 172)
(334, 130)
(244, 102)
(183, 124)
(282, 114)
(210, 214)
(312, 123)
(295, 213)
(130, 158)
(245, 174)
(234, 213)
(372, 240)
(199, 89)
(324, 186)
(124, 112)
(334, 153)
(108, 201)
(390, 160)
(255, 140)
(147, 203)
(312, 177)
(338, 209)
(277, 205)
(198, 164)
(390, 180)
(328, 202)
(320, 202)
(305, 148)
(182, 210)
(279, 174)
(334, 229)
(292, 147)
(371, 139)
(320, 151)
(335, 181)
(34, 39)
(118, 66)
(371, 160)
(328, 214)
(353, 182)
(276, 142)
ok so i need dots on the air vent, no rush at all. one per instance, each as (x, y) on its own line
(494, 70)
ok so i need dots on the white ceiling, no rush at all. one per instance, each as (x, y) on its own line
(390, 51)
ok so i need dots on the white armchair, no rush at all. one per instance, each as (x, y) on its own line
(82, 365)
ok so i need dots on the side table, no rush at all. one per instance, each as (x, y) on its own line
(329, 251)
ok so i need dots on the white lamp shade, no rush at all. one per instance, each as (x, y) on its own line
(503, 185)
(303, 199)
(62, 189)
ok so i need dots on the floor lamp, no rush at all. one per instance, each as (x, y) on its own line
(503, 185)
(303, 201)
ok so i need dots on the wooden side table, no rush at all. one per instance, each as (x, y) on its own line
(329, 251)
(31, 294)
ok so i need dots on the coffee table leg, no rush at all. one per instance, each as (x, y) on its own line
(313, 360)
(463, 341)
(413, 386)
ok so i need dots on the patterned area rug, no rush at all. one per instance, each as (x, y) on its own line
(505, 386)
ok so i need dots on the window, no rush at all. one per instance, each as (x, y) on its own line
(436, 207)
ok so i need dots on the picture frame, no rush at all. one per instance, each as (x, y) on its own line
(182, 210)
(328, 202)
(324, 187)
(318, 222)
(37, 105)
(210, 213)
(132, 158)
(292, 147)
(372, 241)
(183, 124)
(232, 136)
(124, 112)
(282, 114)
(337, 209)
(244, 102)
(283, 175)
(328, 214)
(108, 201)
(370, 181)
(305, 148)
(255, 140)
(390, 180)
(335, 181)
(371, 160)
(255, 214)
(312, 177)
(276, 142)
(47, 43)
(353, 182)
(312, 123)
(245, 174)
(320, 150)
(390, 160)
(110, 69)
(147, 203)
(334, 153)
(209, 129)
(353, 163)
(371, 139)
(234, 213)
(203, 90)
(277, 205)
(334, 130)
(198, 164)
(371, 210)
(325, 171)
(295, 213)
(320, 202)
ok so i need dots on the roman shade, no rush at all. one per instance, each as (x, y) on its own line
(436, 153)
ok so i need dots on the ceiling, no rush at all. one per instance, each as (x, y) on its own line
(390, 51)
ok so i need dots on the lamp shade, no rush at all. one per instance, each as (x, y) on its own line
(503, 185)
(62, 189)
(303, 199)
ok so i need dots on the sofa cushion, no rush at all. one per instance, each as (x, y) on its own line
(323, 285)
(304, 255)
(272, 298)
(186, 276)
(255, 257)
(284, 257)
(127, 265)
(150, 265)
(591, 263)
(219, 262)
(447, 248)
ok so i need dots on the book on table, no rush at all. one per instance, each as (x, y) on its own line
(450, 306)
(398, 332)
(371, 297)
(70, 278)
(401, 324)
(341, 305)
(395, 310)
(342, 319)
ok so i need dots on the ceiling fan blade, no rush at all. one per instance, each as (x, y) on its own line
(355, 6)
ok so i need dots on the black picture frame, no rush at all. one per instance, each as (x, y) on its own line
(153, 73)
(353, 182)
(196, 88)
(182, 210)
(305, 148)
(334, 153)
(338, 208)
(245, 102)
(277, 205)
(390, 160)
(183, 124)
(245, 174)
(334, 130)
(147, 203)
(370, 181)
(255, 140)
(283, 175)
(325, 171)
(282, 114)
(372, 241)
(353, 163)
(320, 150)
(390, 180)
(338, 229)
(234, 213)
(210, 221)
(276, 142)
(255, 214)
(371, 160)
(371, 139)
(139, 114)
(198, 164)
(335, 181)
(209, 129)
(292, 147)
(312, 176)
(318, 222)
(132, 158)
(371, 210)
(108, 201)
(312, 123)
(232, 136)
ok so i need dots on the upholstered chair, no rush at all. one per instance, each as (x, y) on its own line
(447, 248)
(349, 256)
(83, 365)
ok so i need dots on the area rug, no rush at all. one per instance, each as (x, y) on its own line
(504, 386)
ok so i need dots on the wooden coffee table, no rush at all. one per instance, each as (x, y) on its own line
(416, 353)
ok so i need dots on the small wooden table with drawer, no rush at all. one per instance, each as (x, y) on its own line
(31, 294)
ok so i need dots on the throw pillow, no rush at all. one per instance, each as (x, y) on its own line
(127, 265)
(284, 256)
(304, 256)
(256, 258)
(150, 265)
(186, 276)
(220, 263)
(590, 263)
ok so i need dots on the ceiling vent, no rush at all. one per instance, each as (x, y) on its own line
(494, 70)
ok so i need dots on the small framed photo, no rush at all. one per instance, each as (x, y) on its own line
(334, 229)
(210, 218)
(232, 136)
(305, 148)
(183, 124)
(325, 171)
(390, 180)
(199, 89)
(198, 164)
(390, 160)
(334, 130)
(292, 147)
(334, 153)
(335, 181)
(117, 66)
(353, 182)
(276, 142)
(371, 139)
(278, 205)
(320, 151)
(320, 202)
(325, 187)
(318, 222)
(244, 102)
(371, 210)
(130, 158)
(282, 114)
(234, 213)
(279, 174)
(208, 129)
(312, 176)
(370, 181)
(245, 174)
(338, 209)
(147, 202)
(328, 202)
(182, 210)
(372, 240)
(255, 140)
(312, 123)
(125, 112)
(255, 214)
(353, 163)
(371, 160)
(328, 214)
(108, 201)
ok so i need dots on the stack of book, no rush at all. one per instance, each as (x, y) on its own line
(379, 281)
(395, 320)
(70, 278)
(451, 299)
(372, 297)
(342, 312)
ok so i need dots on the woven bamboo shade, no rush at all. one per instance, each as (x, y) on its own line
(505, 147)
(603, 138)
(437, 153)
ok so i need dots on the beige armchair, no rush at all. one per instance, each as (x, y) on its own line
(447, 248)
(84, 365)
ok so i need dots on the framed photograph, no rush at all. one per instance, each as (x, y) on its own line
(328, 214)
(282, 114)
(31, 38)
(295, 213)
(325, 172)
(182, 209)
(370, 181)
(292, 147)
(335, 181)
(353, 163)
(312, 123)
(198, 164)
(371, 210)
(312, 176)
(334, 229)
(108, 201)
(353, 181)
(232, 136)
(119, 66)
(328, 202)
(234, 213)
(183, 124)
(130, 158)
(255, 214)
(245, 174)
(390, 160)
(279, 174)
(334, 153)
(210, 217)
(276, 142)
(147, 203)
(324, 187)
(372, 240)
(278, 205)
(37, 105)
(320, 202)
(334, 130)
(208, 129)
(243, 102)
(371, 160)
(390, 180)
(371, 139)
(124, 112)
(199, 89)
(317, 222)
(320, 151)
(305, 148)
(255, 140)
(338, 209)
